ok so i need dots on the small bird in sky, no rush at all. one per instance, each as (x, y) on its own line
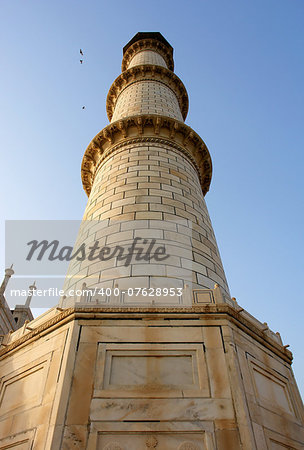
(83, 107)
(80, 51)
(81, 61)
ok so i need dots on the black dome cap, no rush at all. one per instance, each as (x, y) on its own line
(148, 35)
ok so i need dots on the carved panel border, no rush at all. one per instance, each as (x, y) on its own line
(107, 387)
(39, 366)
(25, 439)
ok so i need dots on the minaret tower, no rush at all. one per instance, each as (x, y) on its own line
(134, 367)
(146, 175)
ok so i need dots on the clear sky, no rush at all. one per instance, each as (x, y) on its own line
(242, 64)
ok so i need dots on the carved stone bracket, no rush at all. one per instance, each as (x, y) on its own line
(147, 127)
(148, 72)
(148, 44)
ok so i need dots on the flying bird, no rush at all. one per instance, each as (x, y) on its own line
(80, 51)
(83, 107)
(81, 61)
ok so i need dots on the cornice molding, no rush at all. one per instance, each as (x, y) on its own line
(217, 312)
(144, 127)
(148, 44)
(45, 327)
(142, 73)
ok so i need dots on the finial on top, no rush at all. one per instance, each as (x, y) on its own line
(32, 288)
(8, 273)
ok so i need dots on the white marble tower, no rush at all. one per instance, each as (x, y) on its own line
(146, 175)
(130, 372)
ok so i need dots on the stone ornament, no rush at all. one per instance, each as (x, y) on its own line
(151, 442)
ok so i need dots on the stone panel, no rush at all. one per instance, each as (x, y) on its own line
(276, 441)
(20, 441)
(149, 370)
(23, 388)
(31, 388)
(272, 389)
(162, 409)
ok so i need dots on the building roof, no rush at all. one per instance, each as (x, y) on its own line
(147, 35)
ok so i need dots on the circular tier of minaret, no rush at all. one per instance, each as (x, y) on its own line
(146, 174)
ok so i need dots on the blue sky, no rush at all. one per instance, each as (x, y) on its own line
(242, 64)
